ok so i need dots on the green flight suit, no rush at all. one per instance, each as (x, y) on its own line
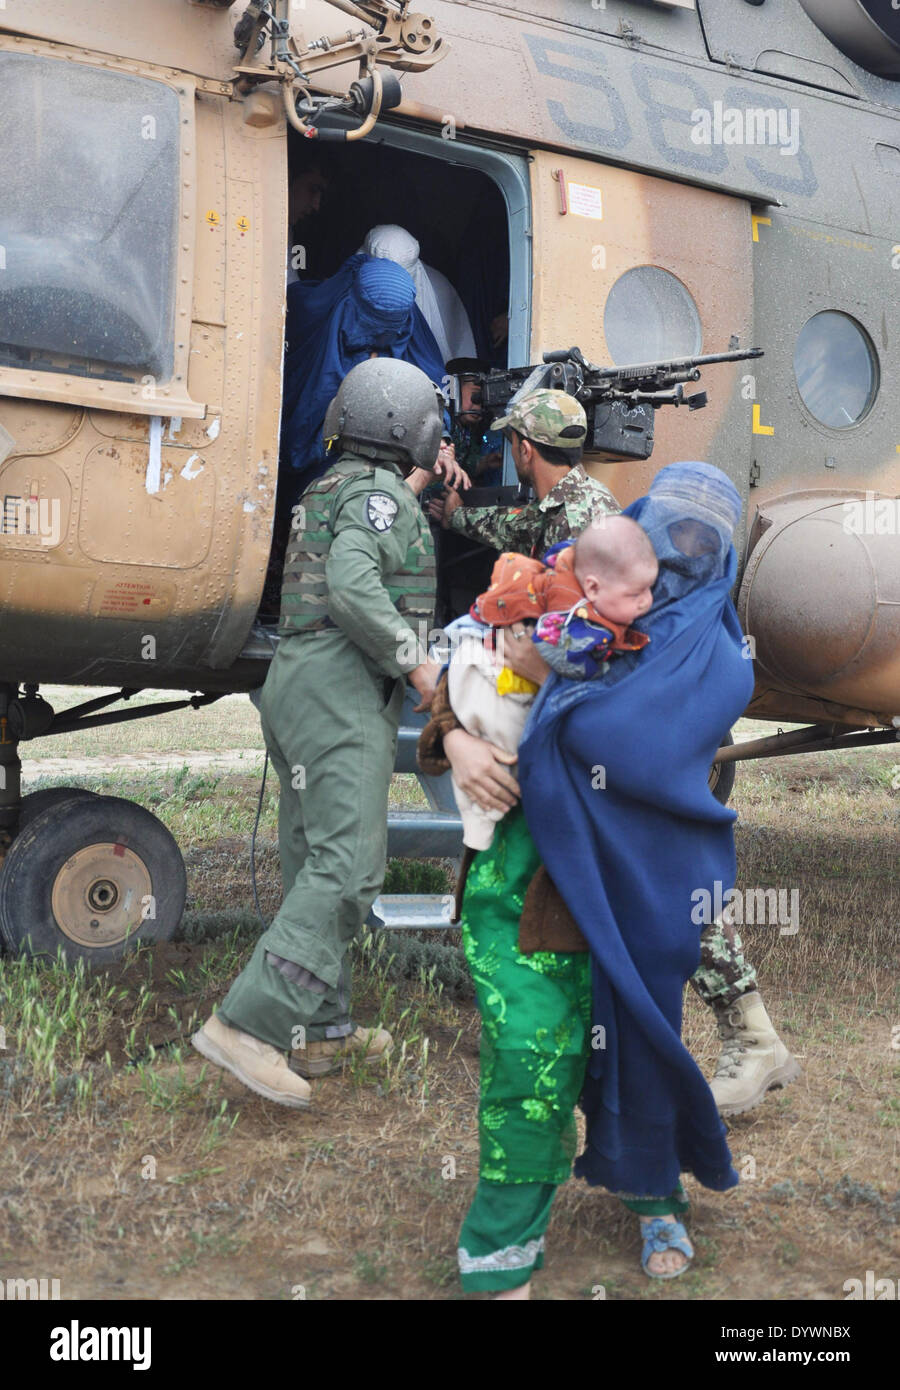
(357, 599)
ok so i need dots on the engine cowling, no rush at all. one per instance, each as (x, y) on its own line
(820, 597)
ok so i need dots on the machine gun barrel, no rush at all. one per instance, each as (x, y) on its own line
(679, 369)
(683, 369)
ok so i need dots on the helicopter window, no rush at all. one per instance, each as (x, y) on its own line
(836, 368)
(88, 208)
(649, 316)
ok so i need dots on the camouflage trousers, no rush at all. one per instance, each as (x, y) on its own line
(723, 974)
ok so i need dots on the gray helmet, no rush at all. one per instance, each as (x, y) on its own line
(385, 406)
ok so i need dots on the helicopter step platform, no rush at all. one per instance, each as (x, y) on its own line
(412, 911)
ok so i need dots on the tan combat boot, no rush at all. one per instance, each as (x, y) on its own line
(753, 1057)
(258, 1065)
(320, 1058)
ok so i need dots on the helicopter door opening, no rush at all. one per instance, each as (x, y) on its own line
(470, 270)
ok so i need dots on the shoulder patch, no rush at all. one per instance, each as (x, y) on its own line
(381, 511)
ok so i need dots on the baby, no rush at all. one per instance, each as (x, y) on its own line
(581, 604)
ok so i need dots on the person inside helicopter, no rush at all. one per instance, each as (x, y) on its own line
(444, 227)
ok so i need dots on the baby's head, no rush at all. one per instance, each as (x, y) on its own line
(616, 566)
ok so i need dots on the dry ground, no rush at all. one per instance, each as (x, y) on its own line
(129, 1169)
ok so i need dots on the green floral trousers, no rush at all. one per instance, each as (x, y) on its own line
(535, 1033)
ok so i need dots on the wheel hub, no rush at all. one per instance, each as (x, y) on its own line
(99, 894)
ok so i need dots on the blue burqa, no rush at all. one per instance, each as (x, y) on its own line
(614, 775)
(368, 305)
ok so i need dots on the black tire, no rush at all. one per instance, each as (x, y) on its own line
(721, 776)
(86, 870)
(35, 802)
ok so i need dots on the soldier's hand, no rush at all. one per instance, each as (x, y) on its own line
(448, 506)
(424, 679)
(448, 469)
(480, 770)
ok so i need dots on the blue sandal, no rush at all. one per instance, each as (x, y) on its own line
(659, 1236)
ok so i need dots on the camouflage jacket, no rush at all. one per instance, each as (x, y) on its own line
(568, 508)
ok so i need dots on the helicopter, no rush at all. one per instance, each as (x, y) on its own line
(654, 181)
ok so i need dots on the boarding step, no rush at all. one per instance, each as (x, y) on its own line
(412, 911)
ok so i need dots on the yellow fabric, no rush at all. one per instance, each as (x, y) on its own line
(508, 683)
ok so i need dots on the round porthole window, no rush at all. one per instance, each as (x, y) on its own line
(836, 369)
(650, 316)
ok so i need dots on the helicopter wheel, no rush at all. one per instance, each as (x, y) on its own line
(92, 876)
(35, 802)
(721, 776)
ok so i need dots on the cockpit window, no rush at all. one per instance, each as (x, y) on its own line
(88, 219)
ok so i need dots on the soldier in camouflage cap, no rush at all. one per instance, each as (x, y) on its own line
(550, 418)
(547, 432)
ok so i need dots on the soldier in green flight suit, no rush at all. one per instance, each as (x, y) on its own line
(357, 605)
(547, 430)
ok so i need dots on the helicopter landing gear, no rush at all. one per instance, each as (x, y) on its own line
(34, 803)
(721, 777)
(91, 875)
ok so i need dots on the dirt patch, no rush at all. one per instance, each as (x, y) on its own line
(172, 1010)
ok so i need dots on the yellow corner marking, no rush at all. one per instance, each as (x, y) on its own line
(757, 221)
(757, 427)
(243, 224)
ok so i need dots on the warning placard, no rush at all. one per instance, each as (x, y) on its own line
(585, 200)
(131, 598)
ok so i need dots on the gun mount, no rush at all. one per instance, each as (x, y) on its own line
(619, 401)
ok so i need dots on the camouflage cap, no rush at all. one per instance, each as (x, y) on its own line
(547, 417)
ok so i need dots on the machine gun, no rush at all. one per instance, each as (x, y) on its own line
(619, 401)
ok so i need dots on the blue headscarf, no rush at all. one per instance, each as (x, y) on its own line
(614, 775)
(331, 326)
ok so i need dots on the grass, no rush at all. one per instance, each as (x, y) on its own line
(229, 723)
(129, 1167)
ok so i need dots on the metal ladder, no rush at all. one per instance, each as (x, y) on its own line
(432, 834)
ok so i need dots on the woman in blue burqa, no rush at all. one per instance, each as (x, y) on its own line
(614, 774)
(366, 308)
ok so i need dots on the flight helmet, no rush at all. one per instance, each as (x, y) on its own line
(385, 406)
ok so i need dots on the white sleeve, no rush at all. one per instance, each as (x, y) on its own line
(458, 340)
